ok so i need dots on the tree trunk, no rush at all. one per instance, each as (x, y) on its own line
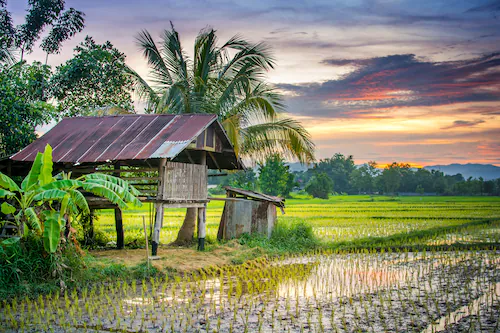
(186, 234)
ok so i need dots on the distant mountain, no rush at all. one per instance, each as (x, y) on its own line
(487, 171)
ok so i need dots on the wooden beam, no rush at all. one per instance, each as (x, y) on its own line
(140, 178)
(113, 171)
(214, 160)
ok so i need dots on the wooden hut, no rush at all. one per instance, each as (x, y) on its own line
(248, 212)
(167, 156)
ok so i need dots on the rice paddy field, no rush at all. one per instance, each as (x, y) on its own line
(345, 219)
(366, 276)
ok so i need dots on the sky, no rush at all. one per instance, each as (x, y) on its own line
(406, 81)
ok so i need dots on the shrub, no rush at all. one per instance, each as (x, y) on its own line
(320, 186)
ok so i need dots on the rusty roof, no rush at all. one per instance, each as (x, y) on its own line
(278, 201)
(121, 137)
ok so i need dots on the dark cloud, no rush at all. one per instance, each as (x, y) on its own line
(490, 7)
(398, 81)
(464, 123)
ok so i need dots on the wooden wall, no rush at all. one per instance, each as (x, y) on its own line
(185, 182)
(246, 216)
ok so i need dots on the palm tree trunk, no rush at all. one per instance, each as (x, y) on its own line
(186, 233)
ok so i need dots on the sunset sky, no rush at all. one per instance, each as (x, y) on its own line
(407, 81)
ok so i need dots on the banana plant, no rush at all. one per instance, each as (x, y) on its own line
(43, 203)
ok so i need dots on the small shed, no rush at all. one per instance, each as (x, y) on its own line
(248, 212)
(166, 157)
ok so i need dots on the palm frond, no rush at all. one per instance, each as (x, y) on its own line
(142, 89)
(284, 135)
(233, 130)
(160, 73)
(205, 59)
(174, 57)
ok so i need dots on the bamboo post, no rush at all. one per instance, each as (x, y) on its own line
(202, 212)
(202, 231)
(146, 238)
(159, 207)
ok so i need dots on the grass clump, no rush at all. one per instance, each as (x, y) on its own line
(290, 236)
(26, 269)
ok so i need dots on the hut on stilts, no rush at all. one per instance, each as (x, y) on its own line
(166, 157)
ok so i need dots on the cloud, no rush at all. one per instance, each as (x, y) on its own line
(490, 7)
(464, 123)
(394, 81)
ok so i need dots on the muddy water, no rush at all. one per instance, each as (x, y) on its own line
(391, 292)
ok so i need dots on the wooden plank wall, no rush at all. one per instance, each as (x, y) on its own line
(185, 181)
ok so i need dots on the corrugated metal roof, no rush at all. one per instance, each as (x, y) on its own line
(278, 201)
(120, 137)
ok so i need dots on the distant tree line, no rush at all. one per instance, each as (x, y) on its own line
(339, 174)
(396, 178)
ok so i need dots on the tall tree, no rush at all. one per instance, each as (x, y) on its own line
(391, 178)
(41, 14)
(339, 169)
(94, 79)
(363, 178)
(275, 177)
(228, 80)
(22, 106)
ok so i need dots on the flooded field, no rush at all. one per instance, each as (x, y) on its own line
(324, 292)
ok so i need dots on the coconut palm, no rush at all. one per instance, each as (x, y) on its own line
(227, 80)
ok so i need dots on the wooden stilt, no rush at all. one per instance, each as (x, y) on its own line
(202, 231)
(88, 232)
(159, 207)
(120, 236)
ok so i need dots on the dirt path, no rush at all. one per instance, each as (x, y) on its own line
(179, 259)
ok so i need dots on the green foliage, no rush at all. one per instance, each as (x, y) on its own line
(320, 186)
(245, 179)
(94, 79)
(275, 177)
(391, 177)
(25, 268)
(287, 237)
(363, 177)
(40, 15)
(22, 107)
(339, 169)
(39, 190)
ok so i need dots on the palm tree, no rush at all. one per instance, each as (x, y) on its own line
(227, 80)
(7, 56)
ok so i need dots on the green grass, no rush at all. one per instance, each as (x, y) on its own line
(351, 221)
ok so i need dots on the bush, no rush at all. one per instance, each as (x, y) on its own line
(320, 186)
(295, 236)
(26, 268)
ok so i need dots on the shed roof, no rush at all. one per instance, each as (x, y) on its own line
(127, 138)
(277, 201)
